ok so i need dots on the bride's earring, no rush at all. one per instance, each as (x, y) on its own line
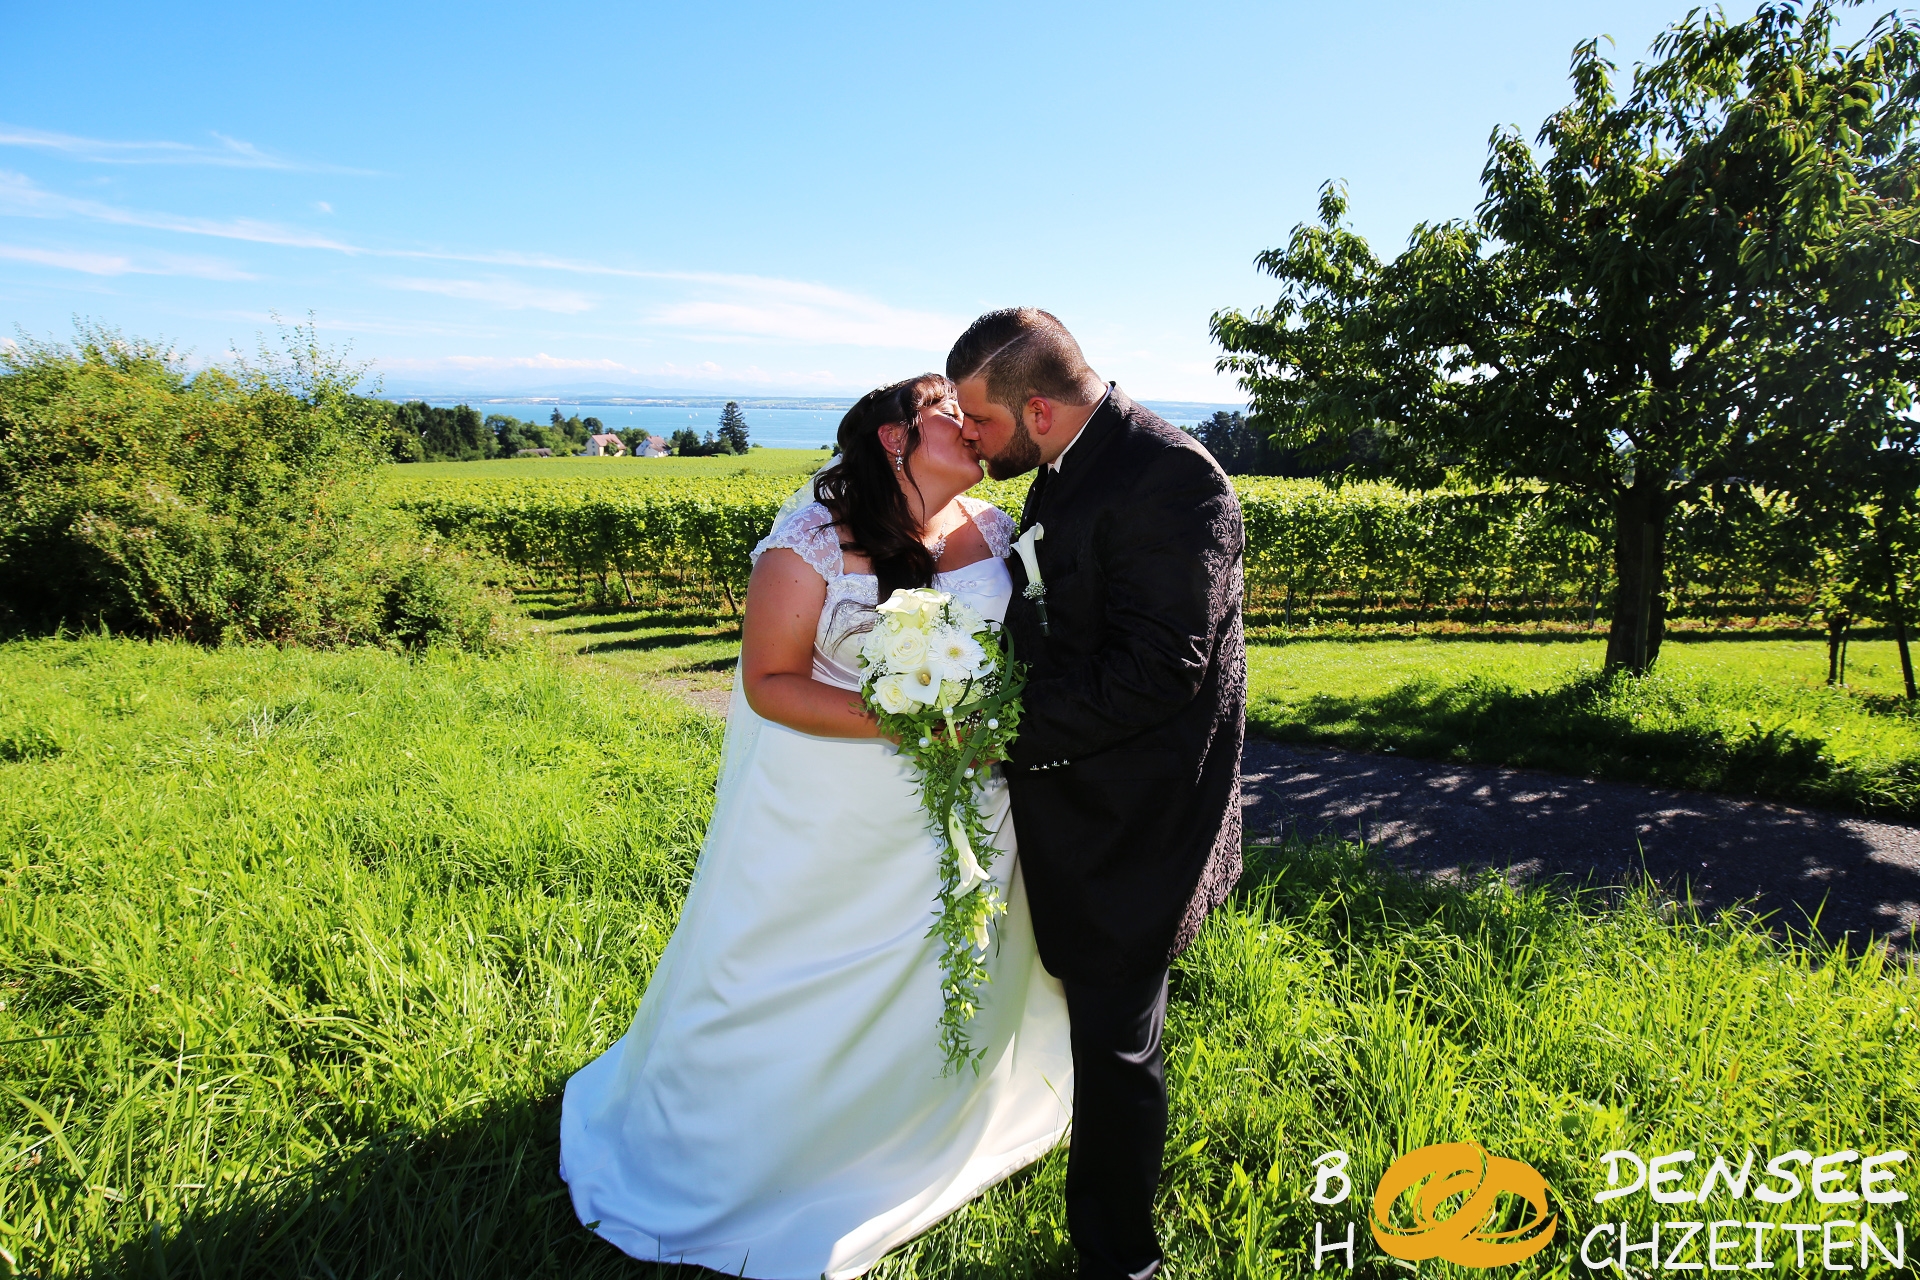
(896, 462)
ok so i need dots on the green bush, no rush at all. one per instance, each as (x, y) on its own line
(227, 504)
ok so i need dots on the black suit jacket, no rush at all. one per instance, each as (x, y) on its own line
(1125, 776)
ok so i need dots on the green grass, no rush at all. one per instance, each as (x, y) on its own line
(676, 647)
(794, 462)
(297, 951)
(1743, 716)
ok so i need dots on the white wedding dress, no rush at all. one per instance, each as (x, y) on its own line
(777, 1109)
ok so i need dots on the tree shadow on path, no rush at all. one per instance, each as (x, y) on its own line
(1806, 871)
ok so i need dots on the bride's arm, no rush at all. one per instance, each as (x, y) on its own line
(784, 599)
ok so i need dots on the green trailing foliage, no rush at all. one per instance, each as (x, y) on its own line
(231, 503)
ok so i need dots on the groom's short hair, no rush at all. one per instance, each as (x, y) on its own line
(1023, 352)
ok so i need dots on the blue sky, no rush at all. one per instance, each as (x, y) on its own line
(734, 198)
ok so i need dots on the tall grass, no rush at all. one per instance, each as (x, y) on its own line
(297, 951)
(317, 937)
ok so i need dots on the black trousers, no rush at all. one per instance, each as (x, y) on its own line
(1119, 1125)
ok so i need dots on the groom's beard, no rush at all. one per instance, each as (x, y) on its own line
(1021, 455)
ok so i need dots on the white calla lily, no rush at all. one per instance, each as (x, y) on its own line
(1029, 558)
(981, 938)
(972, 874)
(922, 685)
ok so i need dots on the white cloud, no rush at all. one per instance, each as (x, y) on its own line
(493, 364)
(112, 264)
(231, 153)
(506, 294)
(713, 305)
(323, 206)
(21, 197)
(796, 311)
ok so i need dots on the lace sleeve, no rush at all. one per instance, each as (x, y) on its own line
(995, 526)
(810, 533)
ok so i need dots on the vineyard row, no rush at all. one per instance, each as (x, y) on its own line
(1314, 553)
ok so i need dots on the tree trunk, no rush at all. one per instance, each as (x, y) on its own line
(1639, 567)
(1895, 604)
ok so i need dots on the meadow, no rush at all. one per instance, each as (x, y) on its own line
(419, 476)
(297, 950)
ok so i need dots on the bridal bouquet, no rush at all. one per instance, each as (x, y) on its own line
(940, 679)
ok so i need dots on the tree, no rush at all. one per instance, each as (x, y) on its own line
(458, 434)
(1860, 509)
(403, 438)
(733, 429)
(1235, 446)
(1667, 295)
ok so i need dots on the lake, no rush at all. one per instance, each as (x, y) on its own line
(774, 428)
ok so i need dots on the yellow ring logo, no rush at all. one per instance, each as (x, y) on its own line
(1432, 1176)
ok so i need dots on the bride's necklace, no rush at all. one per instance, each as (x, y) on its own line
(938, 547)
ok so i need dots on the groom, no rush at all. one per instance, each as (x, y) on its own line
(1126, 774)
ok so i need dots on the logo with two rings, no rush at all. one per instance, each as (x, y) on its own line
(1450, 1198)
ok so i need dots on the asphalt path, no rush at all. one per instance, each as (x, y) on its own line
(1802, 869)
(1805, 871)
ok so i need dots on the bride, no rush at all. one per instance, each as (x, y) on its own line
(778, 1108)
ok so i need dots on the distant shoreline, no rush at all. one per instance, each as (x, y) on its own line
(828, 404)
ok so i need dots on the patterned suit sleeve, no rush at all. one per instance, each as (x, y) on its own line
(1168, 569)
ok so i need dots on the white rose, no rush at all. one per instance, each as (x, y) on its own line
(906, 649)
(891, 693)
(966, 619)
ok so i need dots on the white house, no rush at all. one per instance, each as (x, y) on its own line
(656, 447)
(607, 445)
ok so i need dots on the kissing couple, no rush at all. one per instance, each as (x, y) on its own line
(779, 1108)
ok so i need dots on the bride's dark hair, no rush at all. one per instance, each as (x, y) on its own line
(866, 502)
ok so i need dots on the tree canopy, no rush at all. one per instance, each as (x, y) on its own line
(1690, 287)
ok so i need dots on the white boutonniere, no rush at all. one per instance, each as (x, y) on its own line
(1036, 589)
